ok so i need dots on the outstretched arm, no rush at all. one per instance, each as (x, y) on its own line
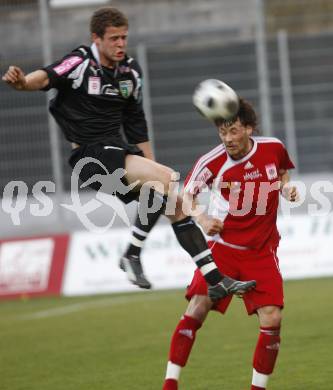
(33, 81)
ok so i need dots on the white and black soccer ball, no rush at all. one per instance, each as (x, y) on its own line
(214, 99)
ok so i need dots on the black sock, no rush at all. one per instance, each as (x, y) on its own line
(193, 241)
(145, 220)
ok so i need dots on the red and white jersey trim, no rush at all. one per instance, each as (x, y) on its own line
(202, 163)
(267, 140)
(217, 238)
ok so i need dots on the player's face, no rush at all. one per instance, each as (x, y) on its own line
(112, 46)
(236, 139)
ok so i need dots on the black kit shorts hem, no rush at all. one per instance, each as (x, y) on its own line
(112, 157)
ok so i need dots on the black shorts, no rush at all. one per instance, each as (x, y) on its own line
(112, 157)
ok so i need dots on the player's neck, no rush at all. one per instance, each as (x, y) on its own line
(108, 64)
(242, 153)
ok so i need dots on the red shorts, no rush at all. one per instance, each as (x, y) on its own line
(260, 265)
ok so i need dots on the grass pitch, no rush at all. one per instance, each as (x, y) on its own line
(120, 342)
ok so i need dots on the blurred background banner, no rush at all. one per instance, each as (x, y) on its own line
(92, 263)
(277, 54)
(87, 263)
(32, 266)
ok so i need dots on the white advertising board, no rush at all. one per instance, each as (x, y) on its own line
(306, 247)
(306, 250)
(92, 265)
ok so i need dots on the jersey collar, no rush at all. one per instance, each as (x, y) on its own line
(95, 53)
(247, 156)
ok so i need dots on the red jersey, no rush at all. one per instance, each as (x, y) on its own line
(244, 193)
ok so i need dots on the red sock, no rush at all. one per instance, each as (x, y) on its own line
(266, 351)
(170, 384)
(183, 339)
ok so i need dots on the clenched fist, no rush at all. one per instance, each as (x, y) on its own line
(290, 193)
(15, 78)
(211, 226)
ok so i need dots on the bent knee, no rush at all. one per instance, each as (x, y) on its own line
(166, 175)
(199, 307)
(170, 174)
(270, 316)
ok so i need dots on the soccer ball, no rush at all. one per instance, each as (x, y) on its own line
(214, 99)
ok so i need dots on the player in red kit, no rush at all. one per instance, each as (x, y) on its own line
(246, 174)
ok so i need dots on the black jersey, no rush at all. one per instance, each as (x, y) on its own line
(93, 101)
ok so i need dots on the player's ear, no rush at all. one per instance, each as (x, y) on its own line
(95, 38)
(249, 130)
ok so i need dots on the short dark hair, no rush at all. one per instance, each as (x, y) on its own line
(246, 115)
(105, 17)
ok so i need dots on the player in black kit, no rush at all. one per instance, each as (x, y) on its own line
(99, 90)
